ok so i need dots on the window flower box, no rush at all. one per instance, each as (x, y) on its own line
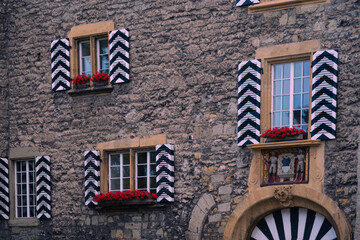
(284, 134)
(81, 82)
(100, 79)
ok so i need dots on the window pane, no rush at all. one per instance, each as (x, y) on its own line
(277, 87)
(23, 189)
(142, 183)
(126, 158)
(24, 210)
(31, 177)
(153, 182)
(306, 84)
(18, 189)
(23, 166)
(277, 71)
(85, 48)
(23, 177)
(18, 177)
(19, 201)
(276, 119)
(305, 116)
(103, 46)
(142, 157)
(115, 172)
(305, 127)
(24, 200)
(285, 118)
(297, 101)
(104, 62)
(277, 103)
(126, 171)
(32, 200)
(305, 103)
(296, 120)
(306, 68)
(86, 65)
(115, 160)
(141, 170)
(32, 212)
(297, 69)
(152, 170)
(153, 157)
(286, 70)
(286, 87)
(31, 166)
(32, 188)
(126, 183)
(297, 85)
(115, 184)
(286, 102)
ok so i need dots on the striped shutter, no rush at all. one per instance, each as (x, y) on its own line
(249, 102)
(240, 3)
(293, 223)
(43, 188)
(60, 64)
(165, 172)
(4, 189)
(324, 91)
(119, 56)
(92, 176)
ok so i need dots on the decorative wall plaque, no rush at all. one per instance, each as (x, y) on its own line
(284, 166)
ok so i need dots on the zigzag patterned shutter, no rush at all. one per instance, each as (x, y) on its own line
(165, 172)
(249, 102)
(324, 91)
(4, 189)
(60, 64)
(43, 189)
(119, 56)
(240, 3)
(92, 176)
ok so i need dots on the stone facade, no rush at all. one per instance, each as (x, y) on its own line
(183, 83)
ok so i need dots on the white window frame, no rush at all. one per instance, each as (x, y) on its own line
(291, 94)
(98, 55)
(81, 57)
(121, 171)
(27, 189)
(148, 165)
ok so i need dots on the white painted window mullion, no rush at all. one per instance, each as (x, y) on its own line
(27, 190)
(291, 108)
(121, 172)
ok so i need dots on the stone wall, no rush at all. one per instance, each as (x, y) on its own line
(183, 72)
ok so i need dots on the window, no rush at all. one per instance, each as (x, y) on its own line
(290, 94)
(25, 192)
(102, 55)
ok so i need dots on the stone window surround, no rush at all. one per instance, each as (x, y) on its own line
(126, 144)
(268, 5)
(16, 154)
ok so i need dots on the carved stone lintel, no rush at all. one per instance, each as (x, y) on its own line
(284, 195)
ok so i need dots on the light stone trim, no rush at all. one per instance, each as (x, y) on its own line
(265, 6)
(198, 216)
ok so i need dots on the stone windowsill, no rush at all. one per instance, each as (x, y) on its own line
(297, 143)
(281, 4)
(128, 205)
(91, 91)
(29, 222)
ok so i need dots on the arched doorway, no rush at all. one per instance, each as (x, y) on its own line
(293, 223)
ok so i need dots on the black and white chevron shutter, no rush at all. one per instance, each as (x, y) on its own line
(60, 64)
(165, 172)
(324, 91)
(294, 223)
(119, 56)
(249, 102)
(43, 188)
(92, 176)
(240, 3)
(4, 189)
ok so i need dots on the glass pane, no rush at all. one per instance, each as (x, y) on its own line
(286, 87)
(103, 46)
(85, 48)
(306, 68)
(297, 101)
(297, 85)
(142, 157)
(305, 103)
(32, 200)
(152, 170)
(23, 189)
(306, 84)
(141, 170)
(18, 189)
(276, 119)
(31, 177)
(277, 103)
(104, 62)
(126, 171)
(86, 65)
(19, 213)
(153, 182)
(285, 118)
(115, 184)
(152, 190)
(31, 166)
(277, 87)
(297, 69)
(305, 116)
(24, 200)
(23, 166)
(126, 158)
(24, 209)
(305, 127)
(32, 211)
(286, 70)
(277, 71)
(18, 177)
(126, 183)
(296, 120)
(23, 177)
(115, 160)
(153, 157)
(19, 201)
(142, 183)
(32, 188)
(285, 102)
(115, 172)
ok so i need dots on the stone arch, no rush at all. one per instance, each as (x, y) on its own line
(198, 216)
(258, 203)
